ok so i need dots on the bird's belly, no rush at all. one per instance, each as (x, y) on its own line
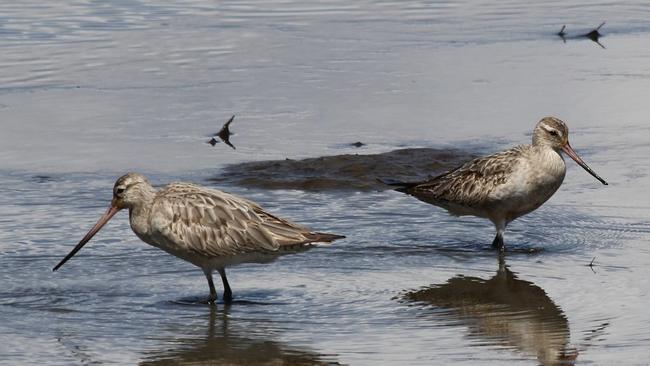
(209, 261)
(520, 197)
(249, 257)
(171, 248)
(233, 260)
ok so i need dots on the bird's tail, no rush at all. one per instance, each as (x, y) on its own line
(400, 186)
(323, 237)
(312, 239)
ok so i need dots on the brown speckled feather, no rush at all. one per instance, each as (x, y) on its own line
(470, 184)
(212, 223)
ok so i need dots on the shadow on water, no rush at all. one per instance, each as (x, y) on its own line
(343, 172)
(504, 311)
(218, 343)
(202, 301)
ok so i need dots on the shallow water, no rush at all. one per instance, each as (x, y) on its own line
(90, 90)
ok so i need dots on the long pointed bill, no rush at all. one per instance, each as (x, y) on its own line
(569, 151)
(100, 223)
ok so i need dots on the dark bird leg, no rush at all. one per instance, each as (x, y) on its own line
(498, 242)
(227, 292)
(213, 291)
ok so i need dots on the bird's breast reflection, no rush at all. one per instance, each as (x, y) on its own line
(503, 311)
(218, 341)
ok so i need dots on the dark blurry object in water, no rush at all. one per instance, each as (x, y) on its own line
(358, 144)
(224, 134)
(593, 35)
(342, 172)
(42, 178)
(503, 311)
(218, 344)
(562, 34)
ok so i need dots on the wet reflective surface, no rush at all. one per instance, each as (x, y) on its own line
(90, 90)
(218, 343)
(503, 310)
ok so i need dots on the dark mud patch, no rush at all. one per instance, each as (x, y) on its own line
(344, 172)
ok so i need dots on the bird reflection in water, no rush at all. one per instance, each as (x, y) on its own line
(505, 311)
(219, 345)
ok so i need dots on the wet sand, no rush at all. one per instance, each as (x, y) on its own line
(343, 172)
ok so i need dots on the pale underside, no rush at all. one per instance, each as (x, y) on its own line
(213, 229)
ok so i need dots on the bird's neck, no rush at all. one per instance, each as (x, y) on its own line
(139, 213)
(552, 159)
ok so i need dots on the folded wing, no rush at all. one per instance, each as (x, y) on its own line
(214, 223)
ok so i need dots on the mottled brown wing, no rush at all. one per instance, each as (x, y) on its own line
(214, 223)
(471, 183)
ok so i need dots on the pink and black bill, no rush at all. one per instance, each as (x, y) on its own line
(569, 151)
(112, 210)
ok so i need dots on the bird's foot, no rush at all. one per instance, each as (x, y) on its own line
(211, 300)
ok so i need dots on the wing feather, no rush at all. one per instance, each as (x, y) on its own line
(213, 223)
(472, 183)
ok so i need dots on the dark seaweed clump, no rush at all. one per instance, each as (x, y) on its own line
(344, 172)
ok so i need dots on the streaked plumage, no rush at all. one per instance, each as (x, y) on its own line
(209, 228)
(505, 185)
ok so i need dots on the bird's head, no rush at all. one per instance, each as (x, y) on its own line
(554, 133)
(551, 131)
(129, 190)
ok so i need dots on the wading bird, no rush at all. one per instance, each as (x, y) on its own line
(505, 185)
(206, 227)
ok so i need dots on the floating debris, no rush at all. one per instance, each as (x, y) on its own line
(593, 35)
(224, 134)
(562, 34)
(357, 144)
(39, 178)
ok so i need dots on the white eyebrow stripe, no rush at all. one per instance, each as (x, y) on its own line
(549, 129)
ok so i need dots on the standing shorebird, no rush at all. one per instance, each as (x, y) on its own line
(505, 185)
(206, 227)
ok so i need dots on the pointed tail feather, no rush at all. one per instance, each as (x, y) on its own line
(313, 238)
(323, 237)
(400, 186)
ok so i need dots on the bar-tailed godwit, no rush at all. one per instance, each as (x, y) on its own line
(505, 185)
(206, 227)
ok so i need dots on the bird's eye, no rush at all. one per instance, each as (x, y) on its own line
(553, 132)
(119, 191)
